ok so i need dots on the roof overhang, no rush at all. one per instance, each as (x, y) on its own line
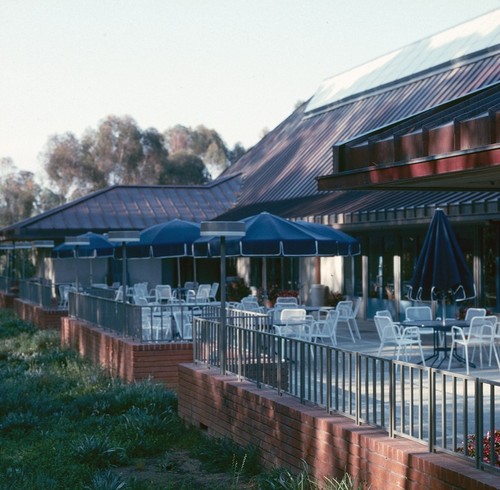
(477, 169)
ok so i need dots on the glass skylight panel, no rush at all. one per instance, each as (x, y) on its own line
(460, 41)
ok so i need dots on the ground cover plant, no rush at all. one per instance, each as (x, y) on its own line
(64, 423)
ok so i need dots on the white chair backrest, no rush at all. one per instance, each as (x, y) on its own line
(473, 312)
(297, 313)
(476, 327)
(213, 290)
(386, 328)
(203, 292)
(141, 289)
(163, 292)
(184, 323)
(250, 303)
(384, 313)
(418, 313)
(344, 308)
(331, 319)
(119, 294)
(190, 285)
(356, 306)
(286, 301)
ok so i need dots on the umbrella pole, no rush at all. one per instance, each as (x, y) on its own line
(264, 279)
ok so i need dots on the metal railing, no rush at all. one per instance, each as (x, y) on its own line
(43, 294)
(152, 323)
(448, 412)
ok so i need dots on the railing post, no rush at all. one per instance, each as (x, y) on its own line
(392, 399)
(432, 409)
(358, 397)
(478, 422)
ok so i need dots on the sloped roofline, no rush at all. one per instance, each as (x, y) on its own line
(7, 230)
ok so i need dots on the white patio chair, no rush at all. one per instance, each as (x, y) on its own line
(420, 313)
(473, 312)
(201, 295)
(496, 339)
(184, 323)
(403, 339)
(250, 303)
(163, 293)
(212, 296)
(63, 295)
(481, 333)
(154, 326)
(345, 312)
(325, 330)
(286, 302)
(356, 304)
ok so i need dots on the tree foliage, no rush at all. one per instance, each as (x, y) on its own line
(185, 169)
(18, 193)
(118, 151)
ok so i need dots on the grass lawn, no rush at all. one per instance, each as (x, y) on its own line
(65, 424)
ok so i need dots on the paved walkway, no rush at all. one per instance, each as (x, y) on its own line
(370, 342)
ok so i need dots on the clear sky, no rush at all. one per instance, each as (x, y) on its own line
(236, 66)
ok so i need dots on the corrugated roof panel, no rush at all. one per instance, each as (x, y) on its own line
(286, 162)
(132, 207)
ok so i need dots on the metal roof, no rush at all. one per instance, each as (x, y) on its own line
(130, 208)
(359, 209)
(287, 161)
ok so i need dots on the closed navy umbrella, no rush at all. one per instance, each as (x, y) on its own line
(441, 271)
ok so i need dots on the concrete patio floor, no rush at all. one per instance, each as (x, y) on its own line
(370, 342)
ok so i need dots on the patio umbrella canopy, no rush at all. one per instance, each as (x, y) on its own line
(441, 271)
(332, 241)
(268, 235)
(172, 239)
(98, 246)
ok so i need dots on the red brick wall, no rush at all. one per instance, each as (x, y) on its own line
(288, 432)
(6, 300)
(126, 359)
(38, 316)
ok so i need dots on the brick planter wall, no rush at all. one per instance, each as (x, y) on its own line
(288, 432)
(6, 300)
(124, 358)
(42, 318)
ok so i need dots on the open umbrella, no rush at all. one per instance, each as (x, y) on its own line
(98, 246)
(172, 239)
(441, 271)
(268, 235)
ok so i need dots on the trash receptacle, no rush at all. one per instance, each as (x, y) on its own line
(318, 294)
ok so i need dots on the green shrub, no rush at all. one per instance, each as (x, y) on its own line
(98, 452)
(107, 480)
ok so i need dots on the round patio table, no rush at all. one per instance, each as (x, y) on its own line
(439, 347)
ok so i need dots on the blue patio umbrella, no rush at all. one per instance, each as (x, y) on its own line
(332, 241)
(268, 235)
(441, 272)
(172, 239)
(98, 246)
